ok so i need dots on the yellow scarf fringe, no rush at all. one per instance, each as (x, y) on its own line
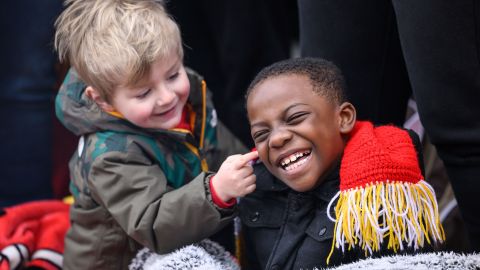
(398, 212)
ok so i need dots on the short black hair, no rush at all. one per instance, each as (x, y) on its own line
(326, 78)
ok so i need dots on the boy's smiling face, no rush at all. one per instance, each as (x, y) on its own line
(158, 101)
(298, 133)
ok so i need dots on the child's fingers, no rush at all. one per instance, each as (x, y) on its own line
(250, 180)
(246, 158)
(232, 158)
(251, 155)
(251, 188)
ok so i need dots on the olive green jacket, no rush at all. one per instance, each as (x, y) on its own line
(137, 187)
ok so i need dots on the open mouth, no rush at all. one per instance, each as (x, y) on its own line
(294, 160)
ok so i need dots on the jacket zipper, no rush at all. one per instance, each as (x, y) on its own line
(198, 151)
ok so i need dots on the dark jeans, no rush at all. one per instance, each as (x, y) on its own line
(27, 80)
(440, 48)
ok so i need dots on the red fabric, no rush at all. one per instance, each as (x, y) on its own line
(52, 229)
(21, 221)
(219, 202)
(41, 264)
(378, 154)
(38, 225)
(23, 232)
(4, 264)
(184, 121)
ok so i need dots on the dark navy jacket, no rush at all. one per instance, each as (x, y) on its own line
(285, 229)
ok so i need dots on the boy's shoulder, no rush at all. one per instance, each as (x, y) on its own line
(199, 92)
(193, 74)
(108, 141)
(196, 80)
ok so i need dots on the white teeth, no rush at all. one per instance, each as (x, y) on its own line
(295, 165)
(292, 158)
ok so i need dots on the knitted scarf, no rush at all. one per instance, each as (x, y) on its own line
(383, 196)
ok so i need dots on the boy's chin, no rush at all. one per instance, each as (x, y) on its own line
(300, 187)
(171, 123)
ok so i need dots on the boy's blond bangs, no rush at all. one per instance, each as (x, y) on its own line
(114, 42)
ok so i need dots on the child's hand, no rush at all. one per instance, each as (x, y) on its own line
(235, 177)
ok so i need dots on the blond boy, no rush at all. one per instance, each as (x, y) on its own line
(149, 137)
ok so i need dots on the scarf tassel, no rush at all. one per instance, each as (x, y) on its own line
(401, 213)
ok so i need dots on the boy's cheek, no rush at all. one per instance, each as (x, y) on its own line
(262, 153)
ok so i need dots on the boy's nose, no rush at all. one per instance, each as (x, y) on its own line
(166, 96)
(279, 137)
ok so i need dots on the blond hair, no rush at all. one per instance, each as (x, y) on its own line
(114, 42)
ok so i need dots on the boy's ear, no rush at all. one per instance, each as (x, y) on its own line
(347, 117)
(93, 94)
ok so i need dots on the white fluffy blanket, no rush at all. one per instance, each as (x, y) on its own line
(421, 261)
(206, 255)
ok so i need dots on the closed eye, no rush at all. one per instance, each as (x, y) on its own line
(260, 135)
(296, 118)
(173, 76)
(143, 94)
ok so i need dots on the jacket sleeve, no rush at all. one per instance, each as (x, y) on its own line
(135, 192)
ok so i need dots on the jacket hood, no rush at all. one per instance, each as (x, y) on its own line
(81, 115)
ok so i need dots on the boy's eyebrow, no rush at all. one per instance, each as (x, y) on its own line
(256, 124)
(294, 105)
